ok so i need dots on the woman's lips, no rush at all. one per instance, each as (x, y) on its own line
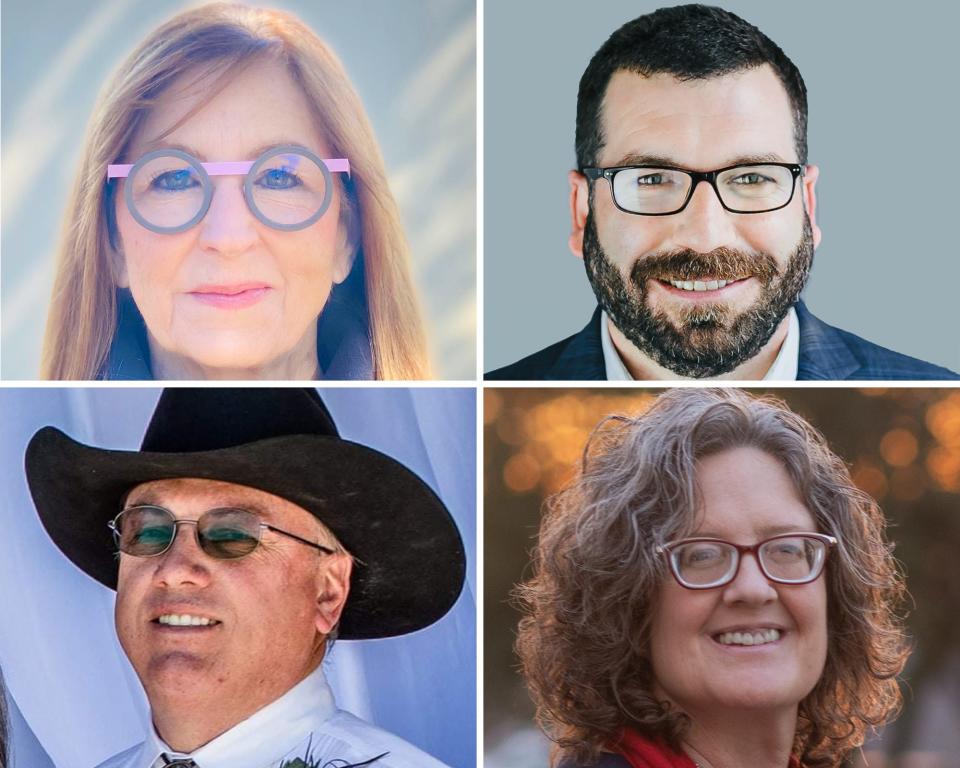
(230, 296)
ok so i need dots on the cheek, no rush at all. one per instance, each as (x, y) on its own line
(676, 622)
(129, 598)
(288, 621)
(776, 233)
(625, 237)
(809, 610)
(305, 261)
(150, 260)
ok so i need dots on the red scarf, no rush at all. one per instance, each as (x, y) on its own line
(643, 753)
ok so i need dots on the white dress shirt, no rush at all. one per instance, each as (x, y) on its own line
(304, 719)
(784, 368)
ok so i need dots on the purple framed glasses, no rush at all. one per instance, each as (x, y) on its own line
(789, 558)
(287, 187)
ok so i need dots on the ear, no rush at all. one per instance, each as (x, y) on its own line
(810, 176)
(118, 264)
(119, 268)
(333, 586)
(579, 207)
(348, 242)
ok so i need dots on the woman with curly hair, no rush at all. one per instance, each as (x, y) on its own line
(712, 591)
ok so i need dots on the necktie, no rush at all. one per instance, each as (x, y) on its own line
(182, 763)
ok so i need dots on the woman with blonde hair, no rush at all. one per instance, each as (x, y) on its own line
(231, 218)
(711, 591)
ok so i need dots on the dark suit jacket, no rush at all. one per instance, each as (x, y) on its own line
(825, 353)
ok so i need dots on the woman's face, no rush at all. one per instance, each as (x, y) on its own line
(747, 496)
(232, 297)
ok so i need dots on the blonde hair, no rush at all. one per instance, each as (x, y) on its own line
(82, 319)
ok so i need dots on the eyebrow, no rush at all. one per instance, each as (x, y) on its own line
(152, 500)
(764, 532)
(633, 158)
(252, 154)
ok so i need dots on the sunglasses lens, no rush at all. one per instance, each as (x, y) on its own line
(229, 533)
(145, 531)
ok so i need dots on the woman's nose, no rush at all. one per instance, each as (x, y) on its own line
(229, 226)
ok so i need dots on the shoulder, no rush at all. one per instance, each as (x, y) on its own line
(535, 366)
(579, 356)
(882, 363)
(376, 741)
(122, 759)
(827, 352)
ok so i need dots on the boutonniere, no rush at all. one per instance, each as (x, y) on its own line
(309, 760)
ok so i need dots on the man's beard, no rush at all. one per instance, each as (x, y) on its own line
(711, 338)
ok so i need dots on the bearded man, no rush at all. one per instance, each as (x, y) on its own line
(694, 211)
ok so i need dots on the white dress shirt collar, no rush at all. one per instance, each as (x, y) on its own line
(289, 721)
(784, 367)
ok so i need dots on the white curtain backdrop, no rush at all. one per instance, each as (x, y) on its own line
(72, 687)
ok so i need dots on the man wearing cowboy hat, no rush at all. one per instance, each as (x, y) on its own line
(249, 535)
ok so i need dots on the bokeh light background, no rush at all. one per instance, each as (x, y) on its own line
(902, 446)
(413, 62)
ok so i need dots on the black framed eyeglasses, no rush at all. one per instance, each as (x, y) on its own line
(788, 558)
(225, 534)
(655, 190)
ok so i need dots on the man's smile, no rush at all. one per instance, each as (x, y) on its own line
(707, 287)
(185, 620)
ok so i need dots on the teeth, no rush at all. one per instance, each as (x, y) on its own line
(699, 285)
(185, 620)
(750, 638)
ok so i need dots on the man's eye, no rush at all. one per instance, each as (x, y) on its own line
(152, 534)
(174, 181)
(651, 180)
(279, 178)
(750, 179)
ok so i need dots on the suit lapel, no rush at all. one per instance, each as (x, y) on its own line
(582, 357)
(824, 353)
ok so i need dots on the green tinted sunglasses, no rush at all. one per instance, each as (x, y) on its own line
(225, 534)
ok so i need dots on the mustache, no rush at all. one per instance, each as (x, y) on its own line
(719, 264)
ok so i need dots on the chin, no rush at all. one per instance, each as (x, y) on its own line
(230, 356)
(746, 694)
(174, 672)
(231, 350)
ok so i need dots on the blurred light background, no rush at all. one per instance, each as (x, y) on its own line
(903, 447)
(412, 61)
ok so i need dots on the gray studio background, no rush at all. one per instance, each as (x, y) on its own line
(412, 61)
(883, 114)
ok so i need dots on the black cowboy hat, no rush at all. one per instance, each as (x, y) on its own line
(409, 556)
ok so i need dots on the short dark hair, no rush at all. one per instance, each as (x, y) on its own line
(690, 42)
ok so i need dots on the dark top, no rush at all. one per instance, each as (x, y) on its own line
(826, 353)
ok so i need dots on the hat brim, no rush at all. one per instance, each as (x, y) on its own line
(410, 559)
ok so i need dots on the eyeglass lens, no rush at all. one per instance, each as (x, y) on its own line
(746, 188)
(790, 559)
(222, 533)
(285, 190)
